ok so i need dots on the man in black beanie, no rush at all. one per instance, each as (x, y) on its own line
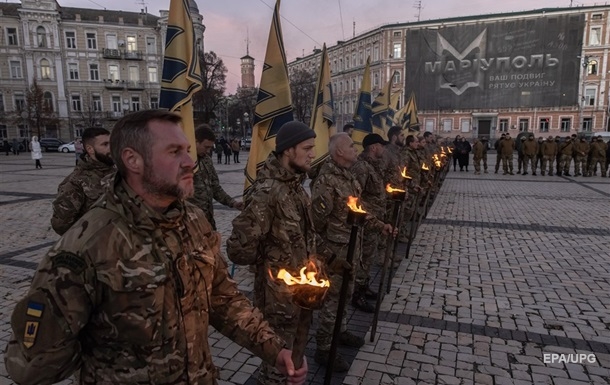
(275, 230)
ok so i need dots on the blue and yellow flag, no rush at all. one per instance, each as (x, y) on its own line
(274, 103)
(380, 108)
(181, 72)
(392, 109)
(407, 117)
(323, 116)
(363, 113)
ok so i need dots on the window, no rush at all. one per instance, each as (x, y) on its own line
(151, 45)
(113, 72)
(116, 103)
(592, 67)
(91, 40)
(376, 53)
(589, 99)
(3, 131)
(96, 102)
(397, 34)
(45, 69)
(447, 123)
(353, 84)
(111, 42)
(397, 77)
(397, 50)
(587, 124)
(524, 124)
(543, 125)
(595, 35)
(70, 39)
(375, 79)
(76, 103)
(154, 102)
(131, 44)
(15, 66)
(134, 73)
(340, 86)
(24, 130)
(152, 75)
(47, 102)
(361, 58)
(41, 37)
(347, 62)
(465, 125)
(566, 124)
(11, 36)
(1, 103)
(597, 16)
(73, 71)
(19, 101)
(135, 103)
(94, 71)
(503, 126)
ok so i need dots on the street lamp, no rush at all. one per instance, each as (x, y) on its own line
(245, 127)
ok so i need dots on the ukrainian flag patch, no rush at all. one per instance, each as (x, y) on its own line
(35, 309)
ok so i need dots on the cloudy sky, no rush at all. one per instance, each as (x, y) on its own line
(307, 24)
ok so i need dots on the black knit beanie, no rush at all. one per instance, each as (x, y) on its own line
(291, 134)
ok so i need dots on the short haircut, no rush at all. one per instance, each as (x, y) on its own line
(93, 132)
(334, 141)
(348, 126)
(394, 131)
(204, 132)
(409, 139)
(427, 134)
(132, 131)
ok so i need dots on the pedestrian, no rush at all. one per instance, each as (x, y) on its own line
(507, 148)
(485, 143)
(206, 182)
(275, 231)
(6, 146)
(127, 294)
(235, 147)
(330, 193)
(520, 155)
(78, 148)
(529, 149)
(477, 155)
(78, 191)
(497, 147)
(15, 146)
(456, 151)
(464, 149)
(226, 147)
(598, 155)
(219, 151)
(36, 151)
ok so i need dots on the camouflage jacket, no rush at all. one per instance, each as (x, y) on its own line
(274, 231)
(368, 173)
(393, 166)
(566, 148)
(598, 149)
(127, 295)
(549, 148)
(413, 164)
(329, 196)
(207, 188)
(582, 148)
(477, 150)
(507, 147)
(530, 147)
(78, 192)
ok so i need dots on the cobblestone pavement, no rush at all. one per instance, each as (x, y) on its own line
(505, 270)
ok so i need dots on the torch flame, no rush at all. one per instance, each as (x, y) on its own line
(404, 173)
(449, 149)
(425, 167)
(352, 203)
(391, 189)
(307, 276)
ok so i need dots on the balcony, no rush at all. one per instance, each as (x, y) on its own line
(132, 55)
(108, 53)
(135, 85)
(114, 84)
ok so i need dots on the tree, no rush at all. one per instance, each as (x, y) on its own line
(91, 114)
(38, 109)
(213, 74)
(302, 88)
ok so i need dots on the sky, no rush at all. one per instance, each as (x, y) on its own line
(308, 24)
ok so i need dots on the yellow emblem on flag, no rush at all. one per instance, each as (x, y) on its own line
(31, 330)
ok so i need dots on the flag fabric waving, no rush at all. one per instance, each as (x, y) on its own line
(363, 113)
(323, 117)
(392, 109)
(380, 108)
(274, 102)
(407, 116)
(181, 76)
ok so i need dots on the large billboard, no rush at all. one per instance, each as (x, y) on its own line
(529, 62)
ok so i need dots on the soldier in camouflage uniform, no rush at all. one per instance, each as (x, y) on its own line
(565, 152)
(413, 161)
(127, 294)
(549, 153)
(581, 151)
(207, 184)
(367, 171)
(477, 155)
(529, 149)
(275, 231)
(79, 190)
(598, 155)
(539, 156)
(507, 148)
(330, 193)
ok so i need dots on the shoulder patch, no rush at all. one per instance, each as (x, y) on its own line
(35, 309)
(31, 330)
(70, 261)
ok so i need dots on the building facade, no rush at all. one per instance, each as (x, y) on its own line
(93, 66)
(543, 71)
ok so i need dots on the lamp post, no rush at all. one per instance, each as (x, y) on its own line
(245, 127)
(585, 64)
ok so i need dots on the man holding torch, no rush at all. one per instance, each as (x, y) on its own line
(330, 193)
(275, 231)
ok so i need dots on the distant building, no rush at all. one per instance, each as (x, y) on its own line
(247, 72)
(543, 71)
(93, 65)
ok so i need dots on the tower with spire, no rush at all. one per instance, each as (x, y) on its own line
(247, 68)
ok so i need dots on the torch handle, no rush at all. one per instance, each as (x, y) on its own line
(392, 245)
(301, 337)
(386, 259)
(412, 221)
(347, 278)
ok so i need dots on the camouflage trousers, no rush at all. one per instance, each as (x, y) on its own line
(328, 313)
(548, 160)
(564, 163)
(370, 254)
(507, 163)
(477, 164)
(602, 165)
(498, 160)
(538, 163)
(520, 160)
(528, 160)
(580, 162)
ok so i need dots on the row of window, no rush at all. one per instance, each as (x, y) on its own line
(355, 86)
(46, 71)
(565, 124)
(359, 59)
(130, 44)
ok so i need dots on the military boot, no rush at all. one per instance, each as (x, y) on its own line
(368, 292)
(349, 339)
(340, 365)
(359, 302)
